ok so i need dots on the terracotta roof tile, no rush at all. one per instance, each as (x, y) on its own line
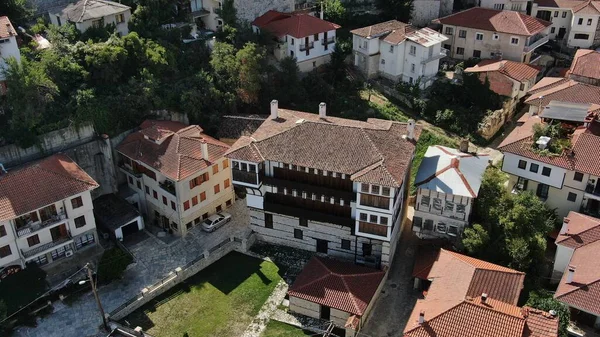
(172, 148)
(567, 91)
(381, 29)
(453, 306)
(340, 285)
(547, 83)
(516, 70)
(55, 178)
(584, 292)
(304, 139)
(492, 20)
(585, 156)
(6, 28)
(580, 231)
(236, 126)
(298, 25)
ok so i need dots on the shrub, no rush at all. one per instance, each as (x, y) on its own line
(544, 300)
(19, 289)
(113, 263)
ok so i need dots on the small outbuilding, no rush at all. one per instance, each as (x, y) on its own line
(340, 292)
(115, 216)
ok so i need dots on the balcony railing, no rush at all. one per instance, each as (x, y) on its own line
(373, 229)
(436, 56)
(535, 42)
(245, 177)
(310, 189)
(168, 186)
(374, 201)
(593, 189)
(328, 41)
(200, 13)
(316, 178)
(309, 209)
(432, 210)
(47, 246)
(34, 227)
(304, 48)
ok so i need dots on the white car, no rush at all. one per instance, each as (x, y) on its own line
(215, 221)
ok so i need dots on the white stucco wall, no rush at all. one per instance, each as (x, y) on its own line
(556, 178)
(583, 28)
(8, 49)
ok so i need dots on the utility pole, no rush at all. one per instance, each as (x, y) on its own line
(89, 272)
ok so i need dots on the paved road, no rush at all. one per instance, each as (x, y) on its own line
(394, 305)
(155, 260)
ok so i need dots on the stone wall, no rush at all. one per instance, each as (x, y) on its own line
(180, 274)
(248, 10)
(284, 227)
(492, 123)
(52, 142)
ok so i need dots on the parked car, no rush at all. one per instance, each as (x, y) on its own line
(215, 221)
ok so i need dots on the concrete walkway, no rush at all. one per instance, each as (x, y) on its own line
(260, 321)
(393, 307)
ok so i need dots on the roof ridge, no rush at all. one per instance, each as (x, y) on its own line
(454, 254)
(317, 279)
(578, 288)
(464, 180)
(352, 298)
(67, 177)
(583, 232)
(434, 317)
(83, 10)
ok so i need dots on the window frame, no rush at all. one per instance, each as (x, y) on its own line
(532, 165)
(477, 35)
(77, 202)
(578, 174)
(522, 164)
(298, 234)
(269, 220)
(2, 251)
(79, 219)
(548, 170)
(569, 197)
(461, 35)
(514, 40)
(460, 51)
(346, 244)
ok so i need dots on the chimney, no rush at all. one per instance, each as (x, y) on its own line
(410, 129)
(274, 108)
(565, 227)
(571, 273)
(484, 297)
(464, 145)
(421, 317)
(322, 110)
(205, 150)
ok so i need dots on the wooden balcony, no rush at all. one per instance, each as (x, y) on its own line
(313, 179)
(37, 226)
(246, 177)
(310, 189)
(309, 209)
(373, 229)
(374, 201)
(47, 246)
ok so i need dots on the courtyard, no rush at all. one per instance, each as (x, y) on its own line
(153, 260)
(219, 301)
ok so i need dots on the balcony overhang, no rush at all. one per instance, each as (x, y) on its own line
(297, 212)
(47, 247)
(536, 44)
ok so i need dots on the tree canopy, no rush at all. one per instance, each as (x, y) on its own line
(509, 229)
(544, 300)
(395, 9)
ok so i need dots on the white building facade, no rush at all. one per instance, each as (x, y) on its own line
(575, 25)
(86, 14)
(316, 209)
(62, 227)
(395, 51)
(8, 48)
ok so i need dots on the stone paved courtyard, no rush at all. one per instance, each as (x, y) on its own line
(155, 259)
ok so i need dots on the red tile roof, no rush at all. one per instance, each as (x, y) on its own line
(586, 63)
(298, 25)
(499, 83)
(580, 230)
(25, 189)
(375, 151)
(565, 91)
(492, 20)
(6, 28)
(453, 305)
(584, 292)
(585, 144)
(381, 30)
(516, 70)
(172, 148)
(547, 83)
(340, 285)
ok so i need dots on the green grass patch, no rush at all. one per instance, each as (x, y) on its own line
(279, 329)
(426, 139)
(219, 301)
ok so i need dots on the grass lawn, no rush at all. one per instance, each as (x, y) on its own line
(427, 139)
(278, 329)
(219, 301)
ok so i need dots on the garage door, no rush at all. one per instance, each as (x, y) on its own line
(130, 228)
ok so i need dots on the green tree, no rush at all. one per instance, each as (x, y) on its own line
(18, 11)
(113, 263)
(395, 9)
(31, 91)
(475, 239)
(228, 13)
(19, 289)
(334, 10)
(544, 300)
(513, 226)
(250, 60)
